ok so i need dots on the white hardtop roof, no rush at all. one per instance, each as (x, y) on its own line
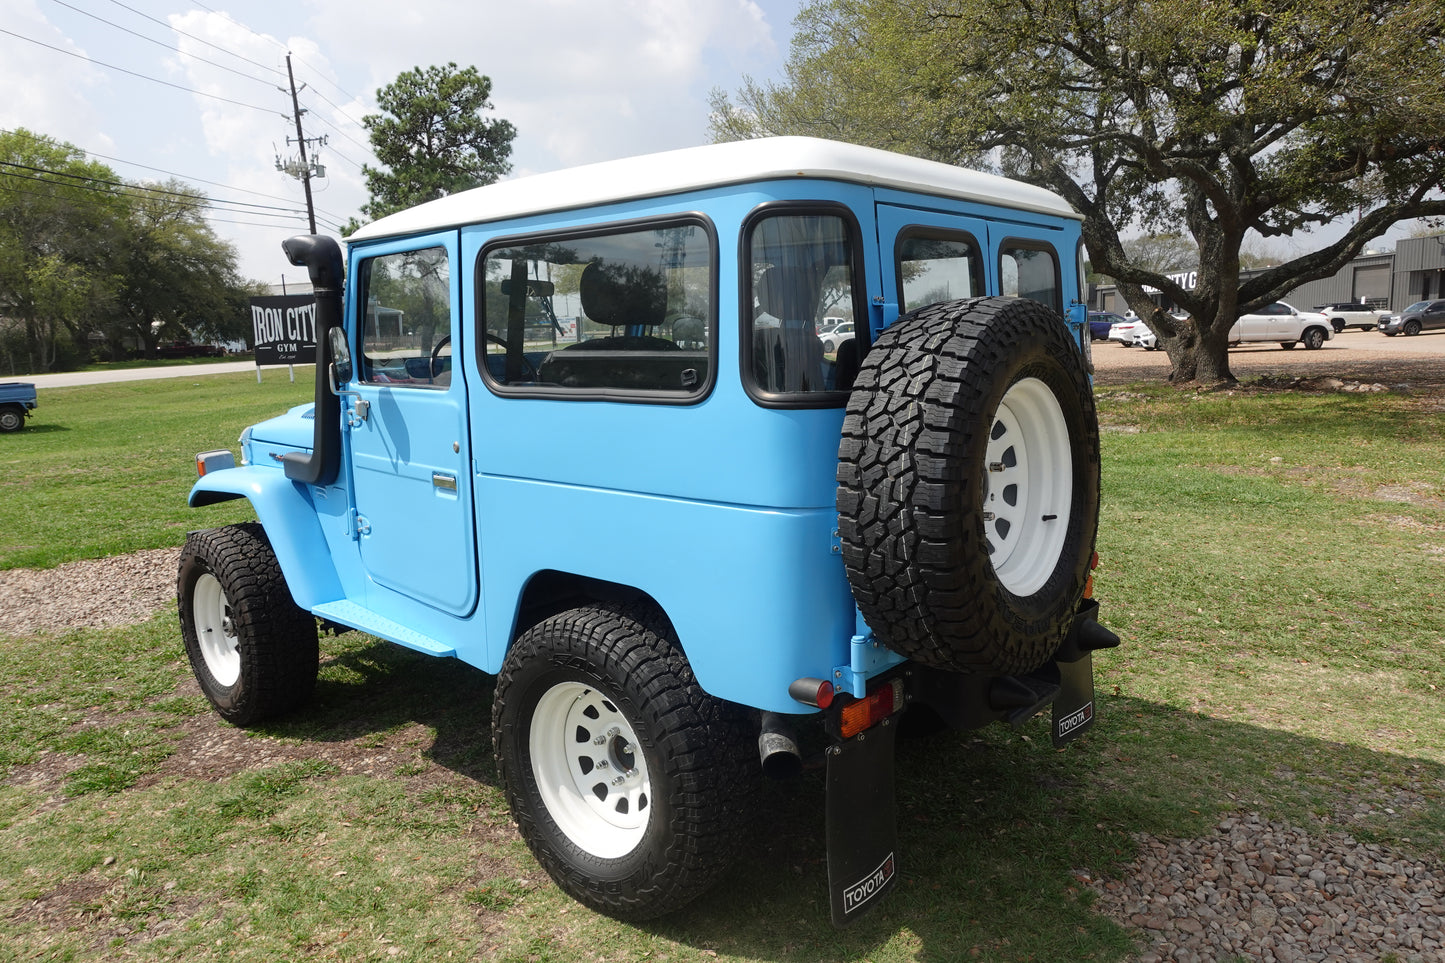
(713, 165)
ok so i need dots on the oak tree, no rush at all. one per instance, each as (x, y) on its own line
(1230, 121)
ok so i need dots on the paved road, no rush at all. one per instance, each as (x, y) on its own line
(72, 378)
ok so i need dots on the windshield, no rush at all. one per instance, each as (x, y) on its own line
(1417, 307)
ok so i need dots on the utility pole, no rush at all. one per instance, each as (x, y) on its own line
(305, 169)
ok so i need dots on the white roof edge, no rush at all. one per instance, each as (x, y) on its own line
(713, 165)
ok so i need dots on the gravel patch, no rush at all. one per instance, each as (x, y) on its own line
(1261, 890)
(85, 595)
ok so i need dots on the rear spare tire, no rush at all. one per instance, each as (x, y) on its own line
(968, 485)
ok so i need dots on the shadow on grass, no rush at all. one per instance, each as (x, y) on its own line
(368, 688)
(996, 830)
(41, 428)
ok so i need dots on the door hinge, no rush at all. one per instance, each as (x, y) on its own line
(359, 524)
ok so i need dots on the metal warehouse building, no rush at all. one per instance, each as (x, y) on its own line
(1414, 272)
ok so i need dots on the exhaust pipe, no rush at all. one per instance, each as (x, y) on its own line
(778, 747)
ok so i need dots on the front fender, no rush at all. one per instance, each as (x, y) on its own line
(288, 512)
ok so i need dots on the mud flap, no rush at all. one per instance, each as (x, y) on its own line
(1073, 709)
(862, 822)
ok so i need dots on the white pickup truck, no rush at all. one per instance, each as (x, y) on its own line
(1283, 323)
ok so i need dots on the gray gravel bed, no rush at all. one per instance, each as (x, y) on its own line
(1261, 890)
(90, 594)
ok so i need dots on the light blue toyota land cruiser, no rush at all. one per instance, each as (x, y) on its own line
(580, 430)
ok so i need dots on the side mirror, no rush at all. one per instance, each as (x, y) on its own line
(339, 372)
(340, 356)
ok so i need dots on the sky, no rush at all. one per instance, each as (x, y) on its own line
(158, 89)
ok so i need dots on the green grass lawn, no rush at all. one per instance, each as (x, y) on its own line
(1273, 562)
(105, 469)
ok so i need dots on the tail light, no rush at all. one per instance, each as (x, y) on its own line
(872, 709)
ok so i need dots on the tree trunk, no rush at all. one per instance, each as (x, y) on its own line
(1200, 355)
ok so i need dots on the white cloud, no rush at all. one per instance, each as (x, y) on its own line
(28, 71)
(582, 81)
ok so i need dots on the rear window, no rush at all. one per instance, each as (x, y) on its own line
(802, 278)
(1030, 269)
(936, 266)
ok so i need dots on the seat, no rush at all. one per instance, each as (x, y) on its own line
(787, 355)
(633, 298)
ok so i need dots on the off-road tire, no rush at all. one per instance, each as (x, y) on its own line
(253, 650)
(571, 680)
(915, 487)
(12, 418)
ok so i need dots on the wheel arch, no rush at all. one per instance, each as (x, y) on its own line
(290, 516)
(549, 591)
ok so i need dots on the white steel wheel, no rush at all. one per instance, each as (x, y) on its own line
(1029, 486)
(252, 649)
(215, 631)
(591, 773)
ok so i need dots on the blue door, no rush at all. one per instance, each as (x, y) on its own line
(410, 455)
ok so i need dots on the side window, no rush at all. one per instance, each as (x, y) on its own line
(406, 327)
(1030, 269)
(934, 267)
(630, 311)
(803, 322)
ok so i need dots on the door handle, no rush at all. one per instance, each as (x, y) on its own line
(443, 480)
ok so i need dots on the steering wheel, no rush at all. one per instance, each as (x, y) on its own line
(531, 368)
(434, 365)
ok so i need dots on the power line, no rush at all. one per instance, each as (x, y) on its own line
(344, 92)
(186, 177)
(155, 80)
(126, 191)
(232, 53)
(15, 190)
(333, 126)
(226, 16)
(316, 74)
(162, 44)
(201, 200)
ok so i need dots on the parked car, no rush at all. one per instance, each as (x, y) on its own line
(1283, 323)
(843, 331)
(1128, 331)
(1101, 321)
(188, 349)
(17, 400)
(1351, 314)
(1420, 316)
(684, 562)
